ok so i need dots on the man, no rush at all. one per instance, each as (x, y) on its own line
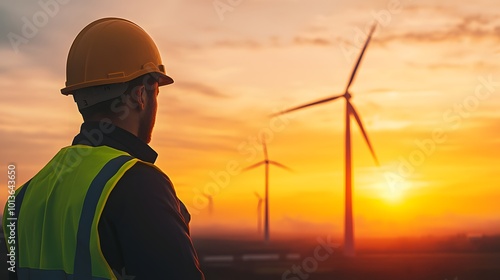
(100, 209)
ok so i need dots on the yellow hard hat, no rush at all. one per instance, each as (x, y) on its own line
(111, 51)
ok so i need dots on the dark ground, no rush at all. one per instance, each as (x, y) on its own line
(369, 264)
(373, 267)
(455, 258)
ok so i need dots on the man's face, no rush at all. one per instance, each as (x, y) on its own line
(148, 118)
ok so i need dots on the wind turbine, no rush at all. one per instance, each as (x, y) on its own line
(266, 162)
(259, 212)
(210, 203)
(349, 112)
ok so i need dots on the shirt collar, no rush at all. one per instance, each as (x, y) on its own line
(106, 134)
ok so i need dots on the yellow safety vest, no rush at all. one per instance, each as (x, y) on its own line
(59, 211)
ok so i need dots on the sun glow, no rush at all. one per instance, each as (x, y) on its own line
(394, 192)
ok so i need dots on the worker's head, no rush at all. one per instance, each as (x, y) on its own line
(113, 71)
(134, 109)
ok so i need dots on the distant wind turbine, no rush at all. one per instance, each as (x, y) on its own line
(266, 162)
(349, 112)
(210, 203)
(259, 212)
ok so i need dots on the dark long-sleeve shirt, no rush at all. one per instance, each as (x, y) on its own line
(144, 228)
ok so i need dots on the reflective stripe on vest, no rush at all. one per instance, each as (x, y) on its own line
(57, 232)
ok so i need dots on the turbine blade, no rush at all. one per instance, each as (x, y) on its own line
(265, 149)
(280, 165)
(257, 195)
(308, 105)
(253, 166)
(353, 112)
(353, 74)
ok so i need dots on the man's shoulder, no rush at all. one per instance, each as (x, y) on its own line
(145, 174)
(144, 167)
(140, 186)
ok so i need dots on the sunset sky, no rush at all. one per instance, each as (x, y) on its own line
(428, 92)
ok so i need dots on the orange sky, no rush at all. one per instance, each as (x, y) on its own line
(429, 69)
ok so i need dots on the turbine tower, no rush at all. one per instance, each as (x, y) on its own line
(266, 162)
(259, 212)
(349, 112)
(210, 203)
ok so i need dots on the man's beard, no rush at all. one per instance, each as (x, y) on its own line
(147, 123)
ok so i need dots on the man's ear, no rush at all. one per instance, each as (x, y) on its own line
(139, 97)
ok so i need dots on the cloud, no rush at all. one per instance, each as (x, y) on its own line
(44, 35)
(201, 89)
(453, 65)
(246, 44)
(201, 127)
(316, 41)
(461, 31)
(416, 23)
(8, 24)
(31, 150)
(194, 142)
(475, 27)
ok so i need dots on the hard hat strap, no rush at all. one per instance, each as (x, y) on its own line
(89, 96)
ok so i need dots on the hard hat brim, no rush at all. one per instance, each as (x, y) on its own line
(162, 78)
